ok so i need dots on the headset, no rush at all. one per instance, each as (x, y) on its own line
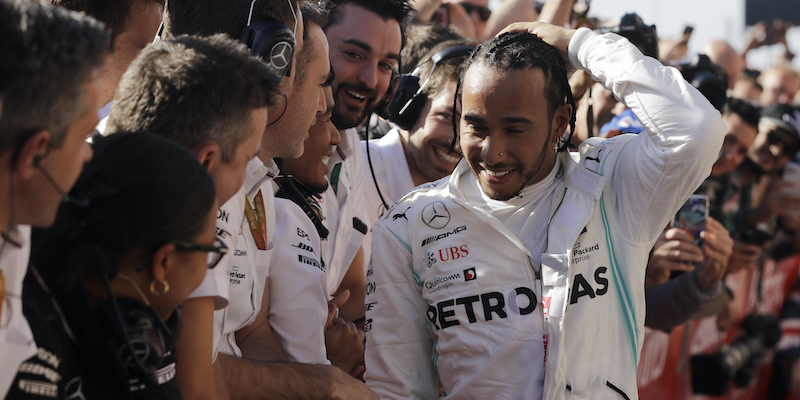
(409, 100)
(304, 197)
(271, 40)
(382, 108)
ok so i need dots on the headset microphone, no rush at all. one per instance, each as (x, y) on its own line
(37, 159)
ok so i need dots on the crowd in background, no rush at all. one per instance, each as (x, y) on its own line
(189, 187)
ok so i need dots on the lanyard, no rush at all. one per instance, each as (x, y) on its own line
(257, 220)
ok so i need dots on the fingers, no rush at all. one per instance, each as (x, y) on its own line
(678, 234)
(334, 304)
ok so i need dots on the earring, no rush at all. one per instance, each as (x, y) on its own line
(501, 153)
(163, 291)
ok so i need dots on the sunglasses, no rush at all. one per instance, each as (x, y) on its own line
(483, 12)
(217, 251)
(776, 137)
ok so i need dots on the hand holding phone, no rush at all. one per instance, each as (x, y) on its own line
(692, 217)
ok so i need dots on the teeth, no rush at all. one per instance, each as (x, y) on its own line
(356, 96)
(447, 157)
(325, 158)
(496, 174)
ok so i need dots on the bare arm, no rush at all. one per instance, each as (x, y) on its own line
(248, 379)
(257, 341)
(510, 11)
(556, 12)
(354, 281)
(194, 371)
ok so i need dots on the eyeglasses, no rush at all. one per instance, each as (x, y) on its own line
(777, 137)
(483, 12)
(218, 250)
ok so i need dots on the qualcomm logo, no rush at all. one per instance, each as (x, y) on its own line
(435, 215)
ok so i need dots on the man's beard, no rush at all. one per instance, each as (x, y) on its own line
(343, 117)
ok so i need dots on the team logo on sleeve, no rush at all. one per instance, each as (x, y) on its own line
(470, 275)
(435, 215)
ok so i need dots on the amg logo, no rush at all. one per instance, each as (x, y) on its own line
(303, 246)
(443, 315)
(310, 261)
(435, 238)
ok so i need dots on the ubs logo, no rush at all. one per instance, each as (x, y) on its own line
(435, 215)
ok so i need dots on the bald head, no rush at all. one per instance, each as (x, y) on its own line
(720, 52)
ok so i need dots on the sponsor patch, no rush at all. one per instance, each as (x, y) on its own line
(438, 237)
(436, 215)
(470, 275)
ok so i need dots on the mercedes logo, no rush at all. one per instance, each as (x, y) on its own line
(435, 215)
(281, 55)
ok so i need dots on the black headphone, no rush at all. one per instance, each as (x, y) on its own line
(407, 104)
(382, 108)
(271, 40)
(304, 197)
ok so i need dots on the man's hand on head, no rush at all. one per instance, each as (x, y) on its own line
(553, 35)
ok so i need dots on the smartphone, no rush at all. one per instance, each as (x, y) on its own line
(791, 174)
(692, 217)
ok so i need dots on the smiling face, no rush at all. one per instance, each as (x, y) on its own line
(311, 167)
(427, 145)
(738, 140)
(507, 135)
(364, 50)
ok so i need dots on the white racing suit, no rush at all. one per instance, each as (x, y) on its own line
(453, 294)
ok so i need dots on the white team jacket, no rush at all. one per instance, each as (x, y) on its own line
(451, 291)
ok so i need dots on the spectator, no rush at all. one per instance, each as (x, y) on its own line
(720, 52)
(468, 306)
(780, 84)
(147, 222)
(746, 87)
(50, 96)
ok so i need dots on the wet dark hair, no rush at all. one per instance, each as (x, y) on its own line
(143, 191)
(525, 51)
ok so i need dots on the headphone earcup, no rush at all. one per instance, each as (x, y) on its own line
(411, 112)
(399, 107)
(271, 41)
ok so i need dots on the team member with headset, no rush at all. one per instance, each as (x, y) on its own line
(365, 38)
(244, 341)
(49, 93)
(418, 148)
(106, 279)
(298, 306)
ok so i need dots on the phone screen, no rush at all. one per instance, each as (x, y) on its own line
(692, 217)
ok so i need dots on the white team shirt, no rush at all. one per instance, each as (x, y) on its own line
(244, 275)
(298, 295)
(393, 176)
(340, 204)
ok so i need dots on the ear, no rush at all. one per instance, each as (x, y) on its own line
(561, 121)
(162, 261)
(35, 147)
(208, 154)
